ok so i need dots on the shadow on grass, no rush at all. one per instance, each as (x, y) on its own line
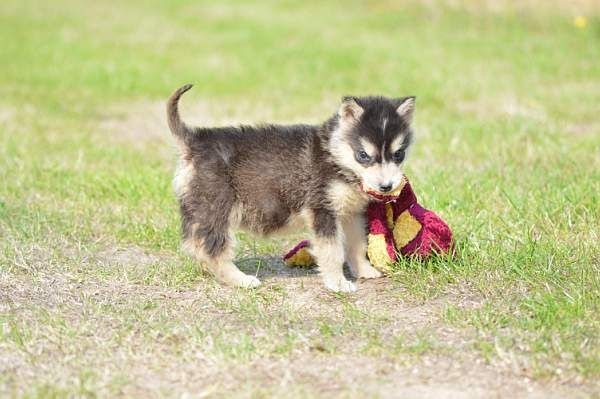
(268, 267)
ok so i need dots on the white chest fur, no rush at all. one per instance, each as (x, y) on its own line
(346, 199)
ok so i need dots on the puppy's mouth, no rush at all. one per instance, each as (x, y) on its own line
(385, 196)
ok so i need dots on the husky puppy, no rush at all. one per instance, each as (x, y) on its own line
(263, 178)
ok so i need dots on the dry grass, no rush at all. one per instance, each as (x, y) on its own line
(111, 328)
(97, 301)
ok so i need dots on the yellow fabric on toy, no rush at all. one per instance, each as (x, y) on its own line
(405, 229)
(377, 252)
(302, 258)
(389, 215)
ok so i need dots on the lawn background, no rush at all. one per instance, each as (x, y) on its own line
(507, 151)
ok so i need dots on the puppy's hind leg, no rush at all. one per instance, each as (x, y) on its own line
(206, 202)
(207, 236)
(228, 273)
(215, 250)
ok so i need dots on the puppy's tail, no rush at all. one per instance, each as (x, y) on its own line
(177, 126)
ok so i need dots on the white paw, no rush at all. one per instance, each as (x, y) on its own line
(241, 280)
(367, 271)
(339, 284)
(248, 282)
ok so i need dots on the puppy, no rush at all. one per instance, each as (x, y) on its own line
(264, 178)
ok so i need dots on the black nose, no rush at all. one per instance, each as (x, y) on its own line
(384, 188)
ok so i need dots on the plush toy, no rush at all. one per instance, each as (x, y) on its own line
(397, 225)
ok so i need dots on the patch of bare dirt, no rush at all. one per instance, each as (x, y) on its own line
(432, 377)
(129, 256)
(317, 375)
(6, 114)
(584, 129)
(157, 341)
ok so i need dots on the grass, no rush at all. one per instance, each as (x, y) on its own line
(95, 299)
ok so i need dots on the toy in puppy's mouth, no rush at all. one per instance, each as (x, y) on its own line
(398, 226)
(389, 196)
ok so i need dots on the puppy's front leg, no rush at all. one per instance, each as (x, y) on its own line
(355, 233)
(328, 251)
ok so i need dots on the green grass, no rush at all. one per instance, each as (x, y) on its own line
(507, 151)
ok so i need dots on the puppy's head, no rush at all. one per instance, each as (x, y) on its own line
(371, 138)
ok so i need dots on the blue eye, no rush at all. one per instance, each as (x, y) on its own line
(398, 156)
(362, 157)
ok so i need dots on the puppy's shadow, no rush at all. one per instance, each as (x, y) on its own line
(269, 267)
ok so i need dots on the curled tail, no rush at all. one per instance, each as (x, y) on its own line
(178, 128)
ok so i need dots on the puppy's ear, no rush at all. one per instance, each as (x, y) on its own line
(349, 109)
(406, 108)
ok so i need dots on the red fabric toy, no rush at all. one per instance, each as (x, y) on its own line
(397, 226)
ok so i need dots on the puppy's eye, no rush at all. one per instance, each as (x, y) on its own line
(362, 157)
(398, 156)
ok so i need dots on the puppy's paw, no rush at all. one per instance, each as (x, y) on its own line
(367, 271)
(339, 284)
(248, 282)
(241, 280)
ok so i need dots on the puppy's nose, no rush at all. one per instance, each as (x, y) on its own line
(384, 188)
